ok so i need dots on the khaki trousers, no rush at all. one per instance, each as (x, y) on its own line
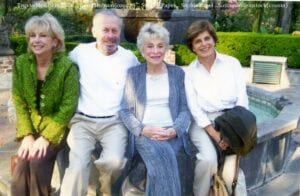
(84, 133)
(207, 163)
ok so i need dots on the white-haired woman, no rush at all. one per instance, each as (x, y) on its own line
(154, 110)
(45, 93)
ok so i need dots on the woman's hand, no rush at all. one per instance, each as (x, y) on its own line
(26, 146)
(216, 135)
(168, 134)
(221, 143)
(159, 133)
(39, 148)
(152, 132)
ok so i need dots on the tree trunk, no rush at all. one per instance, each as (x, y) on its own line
(259, 13)
(260, 18)
(286, 16)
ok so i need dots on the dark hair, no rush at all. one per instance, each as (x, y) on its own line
(196, 28)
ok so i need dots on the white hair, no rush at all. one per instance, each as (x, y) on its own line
(152, 31)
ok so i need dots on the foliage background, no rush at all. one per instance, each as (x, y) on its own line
(262, 17)
(240, 45)
(75, 16)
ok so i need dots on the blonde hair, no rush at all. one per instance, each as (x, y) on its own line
(46, 23)
(152, 31)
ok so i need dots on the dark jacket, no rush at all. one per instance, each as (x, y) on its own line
(238, 128)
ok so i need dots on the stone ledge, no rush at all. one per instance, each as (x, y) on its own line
(273, 128)
(285, 121)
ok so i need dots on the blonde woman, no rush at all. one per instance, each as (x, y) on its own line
(45, 93)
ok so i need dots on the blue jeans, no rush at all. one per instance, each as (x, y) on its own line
(161, 163)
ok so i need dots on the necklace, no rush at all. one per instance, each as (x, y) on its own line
(154, 78)
(156, 69)
(157, 77)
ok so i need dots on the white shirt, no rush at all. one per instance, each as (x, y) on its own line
(224, 87)
(157, 111)
(102, 78)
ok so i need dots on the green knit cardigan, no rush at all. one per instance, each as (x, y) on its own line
(58, 97)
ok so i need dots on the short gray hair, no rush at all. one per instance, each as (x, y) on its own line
(49, 24)
(107, 13)
(152, 31)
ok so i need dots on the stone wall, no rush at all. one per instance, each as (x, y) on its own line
(6, 63)
(294, 76)
(176, 21)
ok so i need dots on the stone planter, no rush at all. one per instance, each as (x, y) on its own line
(176, 21)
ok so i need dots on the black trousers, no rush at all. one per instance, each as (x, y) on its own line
(33, 178)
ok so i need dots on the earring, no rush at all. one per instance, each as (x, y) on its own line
(53, 46)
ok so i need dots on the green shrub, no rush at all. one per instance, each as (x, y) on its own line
(183, 55)
(70, 45)
(80, 38)
(239, 45)
(134, 49)
(129, 46)
(243, 45)
(18, 44)
(73, 21)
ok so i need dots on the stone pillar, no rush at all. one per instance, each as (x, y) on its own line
(4, 40)
(6, 65)
(6, 54)
(7, 60)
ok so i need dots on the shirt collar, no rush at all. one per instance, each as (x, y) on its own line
(219, 58)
